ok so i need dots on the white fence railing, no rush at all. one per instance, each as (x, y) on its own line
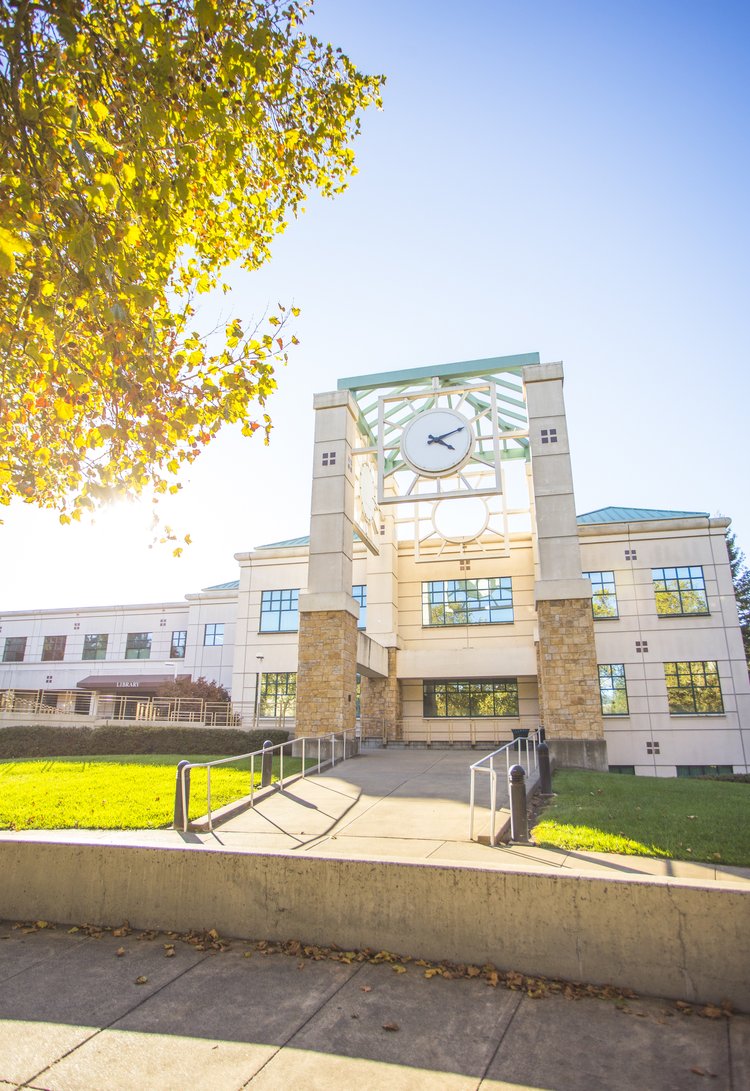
(81, 706)
(499, 761)
(321, 751)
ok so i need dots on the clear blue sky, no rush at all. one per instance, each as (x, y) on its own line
(568, 178)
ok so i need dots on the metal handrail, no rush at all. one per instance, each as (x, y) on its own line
(185, 767)
(487, 765)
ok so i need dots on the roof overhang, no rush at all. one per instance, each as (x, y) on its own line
(125, 683)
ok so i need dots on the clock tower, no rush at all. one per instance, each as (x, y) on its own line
(452, 487)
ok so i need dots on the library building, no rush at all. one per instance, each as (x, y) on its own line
(444, 593)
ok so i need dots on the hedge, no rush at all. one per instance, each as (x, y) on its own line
(57, 742)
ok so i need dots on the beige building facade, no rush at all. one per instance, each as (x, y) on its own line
(447, 593)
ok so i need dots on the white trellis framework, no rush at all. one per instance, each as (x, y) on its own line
(470, 510)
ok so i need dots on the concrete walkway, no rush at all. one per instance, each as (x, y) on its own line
(393, 804)
(82, 1013)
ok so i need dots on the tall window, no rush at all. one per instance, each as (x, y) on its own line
(467, 602)
(693, 688)
(95, 646)
(53, 648)
(612, 689)
(603, 594)
(138, 646)
(278, 695)
(15, 649)
(359, 594)
(490, 697)
(279, 611)
(178, 645)
(680, 591)
(213, 635)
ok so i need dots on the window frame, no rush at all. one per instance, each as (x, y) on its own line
(133, 647)
(98, 637)
(285, 605)
(216, 634)
(359, 594)
(667, 593)
(472, 688)
(436, 597)
(599, 589)
(279, 691)
(614, 689)
(178, 644)
(53, 657)
(688, 671)
(15, 642)
(688, 771)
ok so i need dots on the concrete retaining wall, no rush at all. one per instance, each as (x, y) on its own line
(682, 939)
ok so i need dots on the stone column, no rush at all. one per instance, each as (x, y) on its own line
(326, 671)
(568, 677)
(380, 700)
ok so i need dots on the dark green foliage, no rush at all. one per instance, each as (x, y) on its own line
(47, 742)
(741, 581)
(199, 688)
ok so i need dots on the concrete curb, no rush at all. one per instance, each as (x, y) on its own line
(662, 937)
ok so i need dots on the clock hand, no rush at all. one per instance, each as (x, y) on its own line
(439, 439)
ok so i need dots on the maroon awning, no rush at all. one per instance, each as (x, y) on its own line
(125, 683)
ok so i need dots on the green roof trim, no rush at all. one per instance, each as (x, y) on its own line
(290, 543)
(303, 541)
(230, 585)
(636, 515)
(489, 366)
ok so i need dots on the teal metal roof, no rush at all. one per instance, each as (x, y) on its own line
(303, 541)
(636, 515)
(291, 542)
(230, 585)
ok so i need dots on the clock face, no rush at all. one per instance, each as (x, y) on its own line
(437, 442)
(368, 491)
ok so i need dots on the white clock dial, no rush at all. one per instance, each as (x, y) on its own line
(437, 442)
(368, 491)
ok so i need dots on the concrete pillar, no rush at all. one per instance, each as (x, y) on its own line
(380, 698)
(380, 703)
(567, 664)
(326, 672)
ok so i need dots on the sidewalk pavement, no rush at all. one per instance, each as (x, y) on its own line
(83, 1012)
(401, 805)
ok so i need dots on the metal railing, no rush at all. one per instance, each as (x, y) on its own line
(514, 752)
(321, 748)
(92, 706)
(484, 732)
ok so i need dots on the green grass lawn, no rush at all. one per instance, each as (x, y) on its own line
(129, 792)
(677, 818)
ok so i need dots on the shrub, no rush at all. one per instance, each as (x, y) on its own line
(43, 741)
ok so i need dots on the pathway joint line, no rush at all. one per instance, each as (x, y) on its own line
(108, 1026)
(358, 969)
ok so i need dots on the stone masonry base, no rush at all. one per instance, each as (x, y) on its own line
(326, 672)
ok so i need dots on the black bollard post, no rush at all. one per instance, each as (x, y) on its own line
(519, 822)
(545, 771)
(541, 734)
(180, 814)
(266, 764)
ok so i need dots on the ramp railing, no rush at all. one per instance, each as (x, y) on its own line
(500, 761)
(315, 752)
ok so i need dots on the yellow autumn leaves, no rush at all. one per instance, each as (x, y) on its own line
(144, 151)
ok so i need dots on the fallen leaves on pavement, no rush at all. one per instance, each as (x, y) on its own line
(535, 987)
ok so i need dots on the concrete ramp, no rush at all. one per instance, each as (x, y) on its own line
(383, 804)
